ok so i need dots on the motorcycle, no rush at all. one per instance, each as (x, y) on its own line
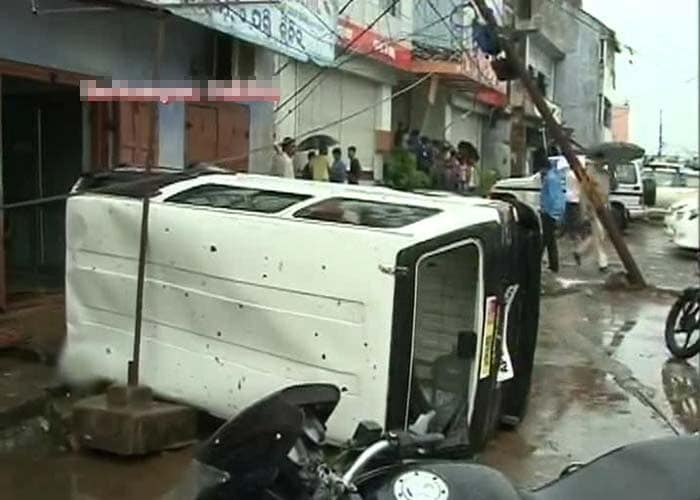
(683, 325)
(274, 451)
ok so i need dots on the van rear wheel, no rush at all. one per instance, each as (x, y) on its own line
(619, 216)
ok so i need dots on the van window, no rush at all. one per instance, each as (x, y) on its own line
(365, 213)
(668, 179)
(626, 173)
(237, 198)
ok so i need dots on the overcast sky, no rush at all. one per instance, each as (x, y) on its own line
(664, 69)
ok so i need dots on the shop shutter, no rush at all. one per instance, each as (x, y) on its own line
(358, 94)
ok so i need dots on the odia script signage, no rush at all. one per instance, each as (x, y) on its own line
(302, 29)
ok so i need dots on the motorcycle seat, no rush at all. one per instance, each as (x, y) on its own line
(660, 469)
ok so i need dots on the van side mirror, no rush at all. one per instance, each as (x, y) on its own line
(367, 433)
(466, 345)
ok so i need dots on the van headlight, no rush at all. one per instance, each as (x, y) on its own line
(693, 214)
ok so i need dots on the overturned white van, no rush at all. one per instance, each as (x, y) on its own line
(412, 304)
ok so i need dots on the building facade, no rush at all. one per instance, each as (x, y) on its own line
(571, 57)
(621, 122)
(51, 135)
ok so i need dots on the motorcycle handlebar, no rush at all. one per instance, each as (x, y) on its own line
(397, 441)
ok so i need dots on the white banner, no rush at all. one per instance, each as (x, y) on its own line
(302, 29)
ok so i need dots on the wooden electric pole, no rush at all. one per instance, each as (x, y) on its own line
(133, 369)
(589, 186)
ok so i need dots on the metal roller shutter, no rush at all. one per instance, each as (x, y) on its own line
(359, 131)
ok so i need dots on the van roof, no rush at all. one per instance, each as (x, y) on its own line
(453, 212)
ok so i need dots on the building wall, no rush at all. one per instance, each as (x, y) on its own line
(393, 25)
(620, 123)
(580, 80)
(350, 104)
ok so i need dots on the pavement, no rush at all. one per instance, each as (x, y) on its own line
(603, 378)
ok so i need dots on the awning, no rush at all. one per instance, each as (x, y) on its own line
(470, 73)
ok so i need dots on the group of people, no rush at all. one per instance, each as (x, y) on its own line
(449, 168)
(561, 204)
(318, 166)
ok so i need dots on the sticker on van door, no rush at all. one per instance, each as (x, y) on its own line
(505, 369)
(488, 338)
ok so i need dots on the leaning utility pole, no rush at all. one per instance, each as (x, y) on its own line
(661, 132)
(588, 185)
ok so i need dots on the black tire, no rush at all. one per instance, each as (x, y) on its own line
(619, 215)
(649, 192)
(684, 320)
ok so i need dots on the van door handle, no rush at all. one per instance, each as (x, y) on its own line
(636, 188)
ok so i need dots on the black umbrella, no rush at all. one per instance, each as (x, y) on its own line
(615, 152)
(317, 142)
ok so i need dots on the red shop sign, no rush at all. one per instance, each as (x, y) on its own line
(374, 45)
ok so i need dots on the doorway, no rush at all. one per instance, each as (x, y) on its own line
(42, 145)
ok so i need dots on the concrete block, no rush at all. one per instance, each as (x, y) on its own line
(129, 395)
(139, 427)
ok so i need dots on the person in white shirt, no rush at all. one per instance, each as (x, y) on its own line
(572, 217)
(595, 236)
(283, 163)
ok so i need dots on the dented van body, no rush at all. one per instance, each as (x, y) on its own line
(255, 283)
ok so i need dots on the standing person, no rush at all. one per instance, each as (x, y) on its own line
(424, 155)
(453, 171)
(414, 141)
(596, 235)
(306, 173)
(283, 163)
(355, 167)
(469, 156)
(320, 166)
(339, 171)
(552, 205)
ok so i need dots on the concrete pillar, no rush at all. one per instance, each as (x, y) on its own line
(262, 117)
(518, 143)
(382, 122)
(448, 122)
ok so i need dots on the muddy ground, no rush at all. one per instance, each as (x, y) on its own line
(603, 378)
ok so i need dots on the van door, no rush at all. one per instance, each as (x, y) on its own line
(446, 336)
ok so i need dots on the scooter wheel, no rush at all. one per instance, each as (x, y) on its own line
(683, 328)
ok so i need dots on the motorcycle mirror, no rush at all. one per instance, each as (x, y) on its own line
(367, 433)
(466, 345)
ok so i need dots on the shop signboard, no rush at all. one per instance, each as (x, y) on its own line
(305, 30)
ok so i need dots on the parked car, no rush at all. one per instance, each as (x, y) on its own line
(674, 182)
(682, 224)
(411, 304)
(626, 198)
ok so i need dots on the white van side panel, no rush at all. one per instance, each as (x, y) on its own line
(235, 306)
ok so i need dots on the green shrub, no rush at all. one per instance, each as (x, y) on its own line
(401, 172)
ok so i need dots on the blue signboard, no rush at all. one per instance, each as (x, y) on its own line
(302, 29)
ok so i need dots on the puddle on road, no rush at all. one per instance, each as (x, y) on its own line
(90, 476)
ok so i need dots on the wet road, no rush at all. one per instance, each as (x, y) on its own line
(603, 379)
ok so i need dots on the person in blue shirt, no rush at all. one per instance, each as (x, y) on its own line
(552, 205)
